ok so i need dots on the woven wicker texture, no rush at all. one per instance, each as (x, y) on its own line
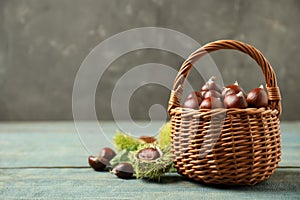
(226, 146)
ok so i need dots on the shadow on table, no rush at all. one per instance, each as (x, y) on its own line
(282, 180)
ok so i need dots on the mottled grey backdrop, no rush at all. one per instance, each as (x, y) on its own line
(42, 44)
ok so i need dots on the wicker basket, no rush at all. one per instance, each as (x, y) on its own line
(226, 146)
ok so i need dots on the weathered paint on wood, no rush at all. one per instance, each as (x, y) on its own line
(88, 184)
(58, 144)
(47, 160)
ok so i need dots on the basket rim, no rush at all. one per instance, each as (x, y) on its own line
(225, 110)
(274, 96)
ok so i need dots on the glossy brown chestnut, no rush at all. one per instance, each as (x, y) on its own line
(227, 91)
(192, 103)
(107, 153)
(123, 170)
(257, 97)
(148, 154)
(235, 101)
(202, 92)
(194, 94)
(98, 164)
(148, 139)
(211, 103)
(211, 93)
(211, 85)
(232, 89)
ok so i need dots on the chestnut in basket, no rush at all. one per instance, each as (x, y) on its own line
(211, 103)
(194, 94)
(211, 93)
(211, 85)
(235, 101)
(257, 97)
(193, 100)
(107, 153)
(232, 89)
(123, 170)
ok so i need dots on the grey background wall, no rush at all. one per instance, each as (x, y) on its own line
(42, 44)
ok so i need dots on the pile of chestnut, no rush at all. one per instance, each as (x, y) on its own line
(211, 96)
(101, 163)
(122, 170)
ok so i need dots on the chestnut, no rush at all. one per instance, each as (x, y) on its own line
(232, 89)
(227, 91)
(107, 153)
(192, 100)
(211, 103)
(202, 92)
(211, 85)
(257, 97)
(123, 170)
(211, 93)
(192, 103)
(235, 101)
(194, 94)
(148, 154)
(98, 164)
(148, 139)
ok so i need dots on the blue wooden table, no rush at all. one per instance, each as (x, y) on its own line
(46, 160)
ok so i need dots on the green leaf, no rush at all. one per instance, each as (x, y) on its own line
(121, 156)
(124, 141)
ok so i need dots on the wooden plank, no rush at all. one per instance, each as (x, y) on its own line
(58, 144)
(290, 142)
(88, 184)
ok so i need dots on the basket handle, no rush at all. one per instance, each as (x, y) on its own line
(270, 77)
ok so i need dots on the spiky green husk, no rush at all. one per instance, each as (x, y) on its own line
(164, 136)
(151, 169)
(128, 147)
(124, 141)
